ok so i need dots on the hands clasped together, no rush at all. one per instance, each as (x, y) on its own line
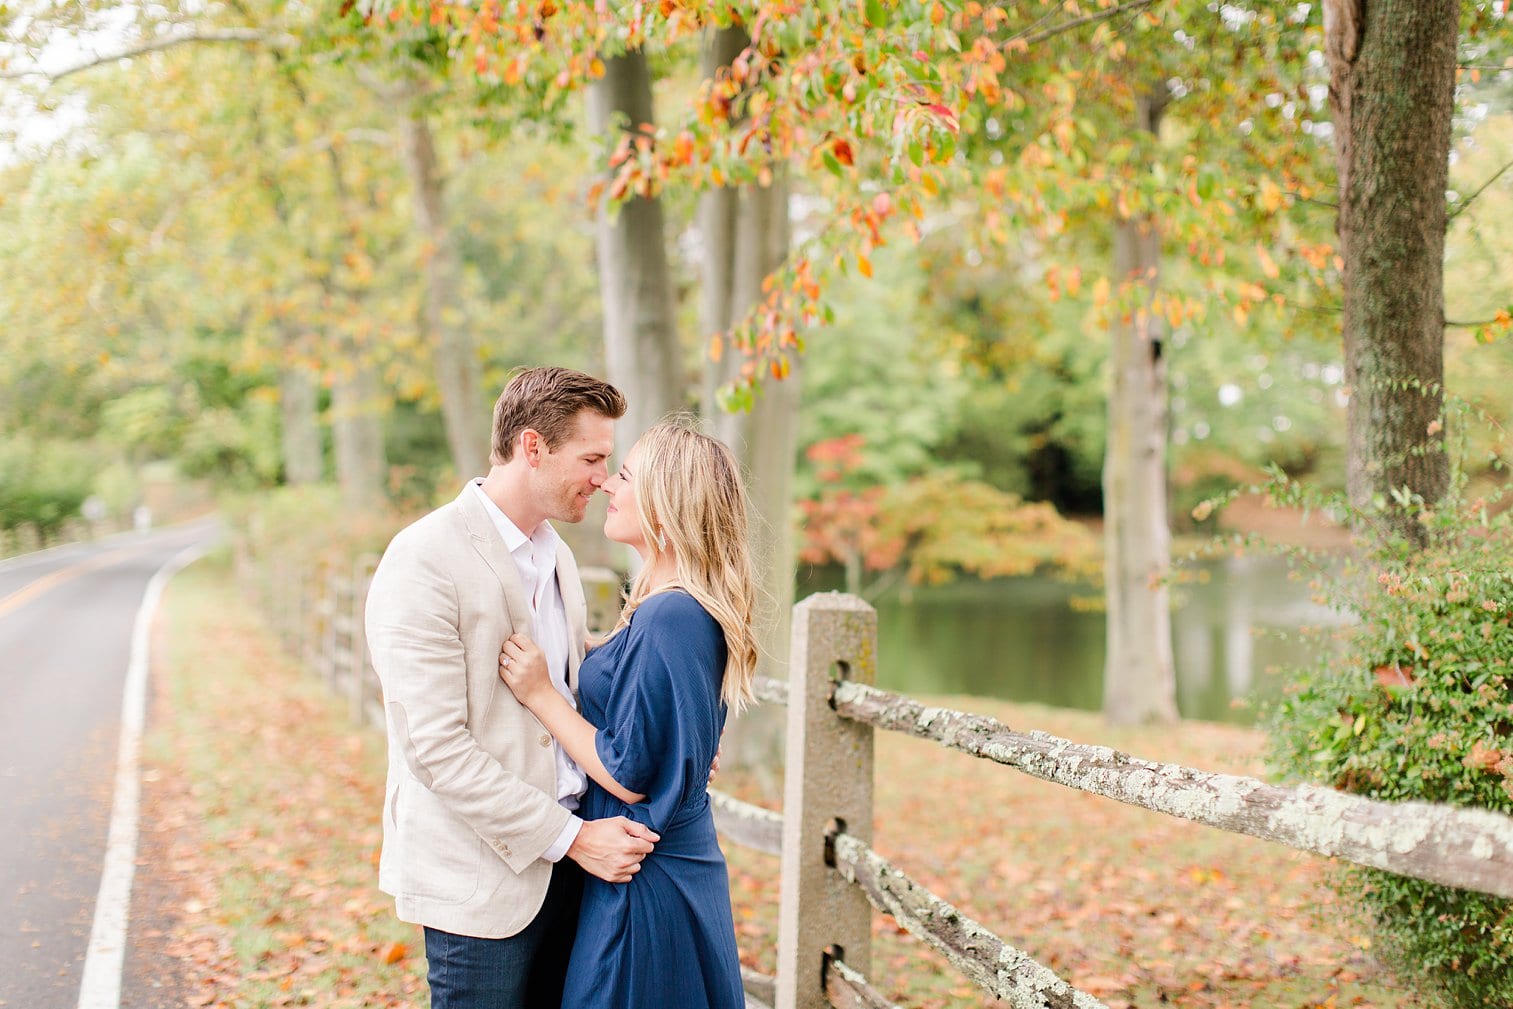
(611, 848)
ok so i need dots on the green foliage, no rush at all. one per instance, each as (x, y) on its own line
(146, 419)
(1416, 706)
(43, 481)
(1033, 420)
(304, 526)
(235, 447)
(877, 374)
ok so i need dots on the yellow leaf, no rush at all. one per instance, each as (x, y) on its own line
(1268, 265)
(1100, 291)
(1270, 197)
(864, 264)
(716, 348)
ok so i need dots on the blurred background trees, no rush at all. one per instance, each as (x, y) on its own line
(265, 244)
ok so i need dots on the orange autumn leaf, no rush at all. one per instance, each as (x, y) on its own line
(1393, 674)
(1268, 265)
(392, 952)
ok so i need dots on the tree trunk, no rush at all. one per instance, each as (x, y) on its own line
(299, 404)
(358, 436)
(1392, 85)
(1139, 680)
(745, 237)
(446, 331)
(640, 332)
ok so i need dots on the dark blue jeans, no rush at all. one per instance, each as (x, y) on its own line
(525, 971)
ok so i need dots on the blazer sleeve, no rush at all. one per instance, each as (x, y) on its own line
(412, 621)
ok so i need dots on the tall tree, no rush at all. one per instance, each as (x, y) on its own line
(446, 324)
(744, 233)
(640, 329)
(1392, 66)
(1139, 677)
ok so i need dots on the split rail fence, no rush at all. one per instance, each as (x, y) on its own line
(29, 538)
(831, 878)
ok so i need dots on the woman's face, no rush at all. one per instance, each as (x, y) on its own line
(622, 523)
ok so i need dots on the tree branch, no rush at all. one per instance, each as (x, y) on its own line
(1460, 208)
(1086, 19)
(240, 35)
(1298, 198)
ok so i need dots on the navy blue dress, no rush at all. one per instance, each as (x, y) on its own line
(667, 937)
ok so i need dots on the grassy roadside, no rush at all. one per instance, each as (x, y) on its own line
(277, 805)
(279, 798)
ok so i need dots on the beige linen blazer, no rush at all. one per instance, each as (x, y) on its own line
(470, 802)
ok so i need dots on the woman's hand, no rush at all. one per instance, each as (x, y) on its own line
(522, 667)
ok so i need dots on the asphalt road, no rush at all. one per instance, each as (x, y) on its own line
(66, 622)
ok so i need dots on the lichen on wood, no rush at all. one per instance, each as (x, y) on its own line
(1456, 846)
(1000, 969)
(747, 824)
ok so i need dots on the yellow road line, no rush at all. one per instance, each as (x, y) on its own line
(27, 593)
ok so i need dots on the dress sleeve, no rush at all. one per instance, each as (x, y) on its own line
(654, 721)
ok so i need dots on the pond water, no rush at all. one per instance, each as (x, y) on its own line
(1234, 623)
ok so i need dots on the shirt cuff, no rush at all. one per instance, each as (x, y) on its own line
(565, 840)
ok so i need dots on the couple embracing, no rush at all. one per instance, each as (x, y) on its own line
(546, 816)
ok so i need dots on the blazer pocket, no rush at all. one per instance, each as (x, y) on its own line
(445, 854)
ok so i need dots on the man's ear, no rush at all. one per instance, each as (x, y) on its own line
(530, 445)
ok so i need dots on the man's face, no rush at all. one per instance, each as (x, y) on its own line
(567, 477)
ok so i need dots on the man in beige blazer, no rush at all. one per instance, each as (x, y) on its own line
(481, 846)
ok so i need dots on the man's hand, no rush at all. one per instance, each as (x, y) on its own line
(612, 849)
(714, 768)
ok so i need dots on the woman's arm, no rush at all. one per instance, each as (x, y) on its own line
(522, 667)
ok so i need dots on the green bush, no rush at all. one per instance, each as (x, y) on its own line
(43, 482)
(1416, 706)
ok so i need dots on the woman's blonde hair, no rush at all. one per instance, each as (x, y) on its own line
(692, 502)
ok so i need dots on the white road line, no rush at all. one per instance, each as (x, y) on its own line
(100, 987)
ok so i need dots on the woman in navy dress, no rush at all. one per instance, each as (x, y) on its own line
(654, 697)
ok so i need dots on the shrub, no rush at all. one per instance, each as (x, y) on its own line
(1416, 705)
(43, 482)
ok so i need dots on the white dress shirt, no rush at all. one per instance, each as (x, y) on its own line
(535, 557)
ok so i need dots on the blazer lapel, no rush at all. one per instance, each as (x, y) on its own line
(573, 602)
(491, 548)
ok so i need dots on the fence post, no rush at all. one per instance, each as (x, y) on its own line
(827, 780)
(366, 699)
(601, 592)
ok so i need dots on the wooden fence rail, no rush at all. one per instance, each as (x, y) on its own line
(831, 879)
(1457, 846)
(28, 538)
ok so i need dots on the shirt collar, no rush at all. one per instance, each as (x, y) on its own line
(544, 536)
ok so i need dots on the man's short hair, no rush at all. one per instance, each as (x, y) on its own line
(548, 401)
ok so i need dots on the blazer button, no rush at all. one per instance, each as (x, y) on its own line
(546, 739)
